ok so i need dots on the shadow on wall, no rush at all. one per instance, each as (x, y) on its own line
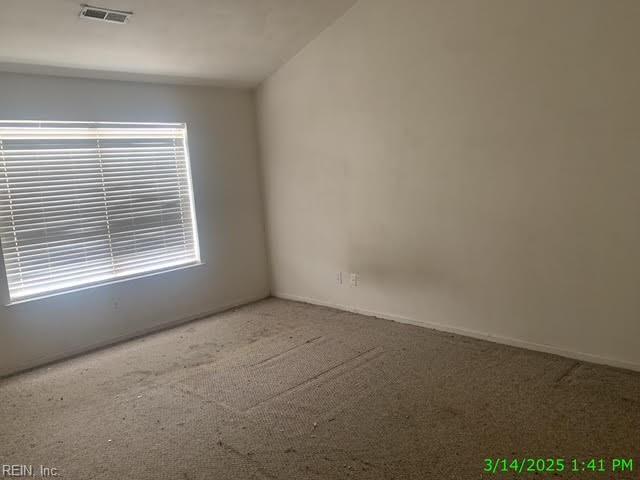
(393, 265)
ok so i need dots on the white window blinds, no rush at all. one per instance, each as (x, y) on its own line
(89, 203)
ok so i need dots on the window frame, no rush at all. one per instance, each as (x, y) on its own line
(5, 297)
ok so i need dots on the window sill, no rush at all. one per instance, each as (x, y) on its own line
(154, 273)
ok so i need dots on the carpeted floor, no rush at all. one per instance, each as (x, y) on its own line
(283, 390)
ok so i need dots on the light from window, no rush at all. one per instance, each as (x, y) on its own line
(89, 203)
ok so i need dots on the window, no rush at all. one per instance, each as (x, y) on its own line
(89, 203)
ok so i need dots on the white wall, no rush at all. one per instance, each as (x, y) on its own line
(222, 142)
(476, 162)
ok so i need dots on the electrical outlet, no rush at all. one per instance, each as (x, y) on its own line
(339, 278)
(355, 279)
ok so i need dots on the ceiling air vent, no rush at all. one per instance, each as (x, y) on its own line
(104, 14)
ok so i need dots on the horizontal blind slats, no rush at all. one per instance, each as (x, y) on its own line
(43, 221)
(105, 275)
(34, 277)
(62, 210)
(90, 172)
(63, 226)
(91, 263)
(36, 205)
(97, 251)
(63, 261)
(48, 243)
(85, 203)
(121, 194)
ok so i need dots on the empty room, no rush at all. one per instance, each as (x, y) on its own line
(320, 239)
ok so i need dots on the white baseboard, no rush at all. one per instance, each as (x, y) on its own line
(43, 361)
(513, 342)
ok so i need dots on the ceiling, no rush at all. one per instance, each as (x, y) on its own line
(221, 42)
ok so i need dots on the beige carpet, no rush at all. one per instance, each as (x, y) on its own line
(283, 390)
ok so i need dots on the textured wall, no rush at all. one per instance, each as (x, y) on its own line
(222, 144)
(476, 162)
